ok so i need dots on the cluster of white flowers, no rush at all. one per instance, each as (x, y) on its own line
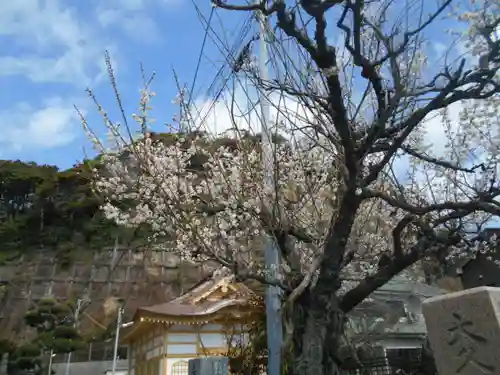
(481, 16)
(221, 210)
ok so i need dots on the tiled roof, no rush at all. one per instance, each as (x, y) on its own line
(182, 309)
(196, 302)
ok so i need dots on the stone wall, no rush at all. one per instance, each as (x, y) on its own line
(138, 278)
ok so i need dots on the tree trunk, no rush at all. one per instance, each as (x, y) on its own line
(318, 326)
(321, 319)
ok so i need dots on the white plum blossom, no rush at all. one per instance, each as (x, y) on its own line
(220, 209)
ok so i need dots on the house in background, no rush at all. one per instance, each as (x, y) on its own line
(391, 324)
(399, 303)
(203, 322)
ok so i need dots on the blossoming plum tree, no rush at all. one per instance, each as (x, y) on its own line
(359, 194)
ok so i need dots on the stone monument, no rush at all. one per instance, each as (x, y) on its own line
(208, 366)
(464, 331)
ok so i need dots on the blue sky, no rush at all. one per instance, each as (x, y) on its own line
(51, 50)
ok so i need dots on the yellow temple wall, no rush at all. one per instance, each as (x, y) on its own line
(165, 351)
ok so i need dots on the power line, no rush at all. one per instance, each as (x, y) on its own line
(228, 52)
(226, 71)
(200, 57)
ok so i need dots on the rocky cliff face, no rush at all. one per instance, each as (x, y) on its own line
(103, 277)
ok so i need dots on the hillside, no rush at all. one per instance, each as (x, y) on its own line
(54, 240)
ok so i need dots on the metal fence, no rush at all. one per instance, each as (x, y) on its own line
(387, 366)
(93, 352)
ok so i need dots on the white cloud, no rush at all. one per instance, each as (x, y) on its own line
(53, 124)
(133, 17)
(435, 127)
(435, 131)
(50, 42)
(242, 111)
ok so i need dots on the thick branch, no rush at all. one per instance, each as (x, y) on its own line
(411, 123)
(441, 163)
(325, 58)
(396, 235)
(369, 70)
(242, 274)
(335, 244)
(367, 286)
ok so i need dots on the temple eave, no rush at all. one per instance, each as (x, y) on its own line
(145, 321)
(191, 319)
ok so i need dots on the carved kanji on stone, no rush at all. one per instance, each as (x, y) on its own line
(464, 331)
(467, 345)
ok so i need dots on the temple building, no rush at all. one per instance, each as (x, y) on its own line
(206, 321)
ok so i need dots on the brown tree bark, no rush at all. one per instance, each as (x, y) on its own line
(318, 325)
(317, 340)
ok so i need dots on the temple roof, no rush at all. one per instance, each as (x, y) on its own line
(206, 298)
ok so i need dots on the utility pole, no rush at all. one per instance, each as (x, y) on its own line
(49, 372)
(80, 303)
(48, 294)
(273, 293)
(117, 339)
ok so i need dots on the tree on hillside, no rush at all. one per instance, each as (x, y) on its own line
(360, 193)
(53, 322)
(43, 207)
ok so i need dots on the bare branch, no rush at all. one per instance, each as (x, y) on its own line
(261, 7)
(480, 203)
(429, 159)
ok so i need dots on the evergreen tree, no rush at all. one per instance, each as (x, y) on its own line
(54, 324)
